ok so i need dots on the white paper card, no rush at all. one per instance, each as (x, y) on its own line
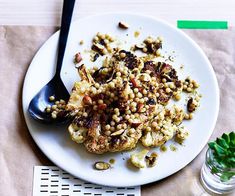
(53, 181)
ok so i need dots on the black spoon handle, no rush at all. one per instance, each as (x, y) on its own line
(64, 31)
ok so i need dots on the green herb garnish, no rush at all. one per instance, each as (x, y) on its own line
(223, 150)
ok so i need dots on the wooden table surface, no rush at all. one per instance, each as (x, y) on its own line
(47, 12)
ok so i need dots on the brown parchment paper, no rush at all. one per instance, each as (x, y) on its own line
(19, 153)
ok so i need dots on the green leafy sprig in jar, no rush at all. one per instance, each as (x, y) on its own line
(223, 152)
(218, 171)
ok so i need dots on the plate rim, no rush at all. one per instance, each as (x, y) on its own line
(159, 20)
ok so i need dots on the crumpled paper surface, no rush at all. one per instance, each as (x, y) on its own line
(19, 153)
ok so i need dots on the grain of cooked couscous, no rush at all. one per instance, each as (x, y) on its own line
(57, 110)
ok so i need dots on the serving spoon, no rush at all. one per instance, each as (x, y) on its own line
(55, 87)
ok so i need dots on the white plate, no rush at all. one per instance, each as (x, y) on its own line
(55, 141)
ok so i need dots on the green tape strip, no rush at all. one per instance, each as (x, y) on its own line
(191, 24)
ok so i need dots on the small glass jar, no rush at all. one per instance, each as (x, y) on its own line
(210, 176)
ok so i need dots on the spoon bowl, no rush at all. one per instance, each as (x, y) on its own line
(39, 103)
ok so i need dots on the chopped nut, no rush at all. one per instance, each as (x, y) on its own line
(191, 106)
(87, 100)
(102, 106)
(181, 135)
(78, 57)
(99, 48)
(135, 85)
(139, 46)
(135, 123)
(121, 131)
(151, 161)
(123, 25)
(101, 165)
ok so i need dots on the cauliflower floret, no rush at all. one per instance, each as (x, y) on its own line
(153, 139)
(159, 137)
(125, 141)
(158, 109)
(147, 140)
(79, 90)
(181, 134)
(77, 133)
(75, 101)
(178, 115)
(126, 91)
(96, 142)
(138, 159)
(168, 130)
(85, 75)
(175, 114)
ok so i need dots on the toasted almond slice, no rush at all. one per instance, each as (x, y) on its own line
(101, 165)
(119, 132)
(140, 46)
(135, 123)
(99, 48)
(123, 25)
